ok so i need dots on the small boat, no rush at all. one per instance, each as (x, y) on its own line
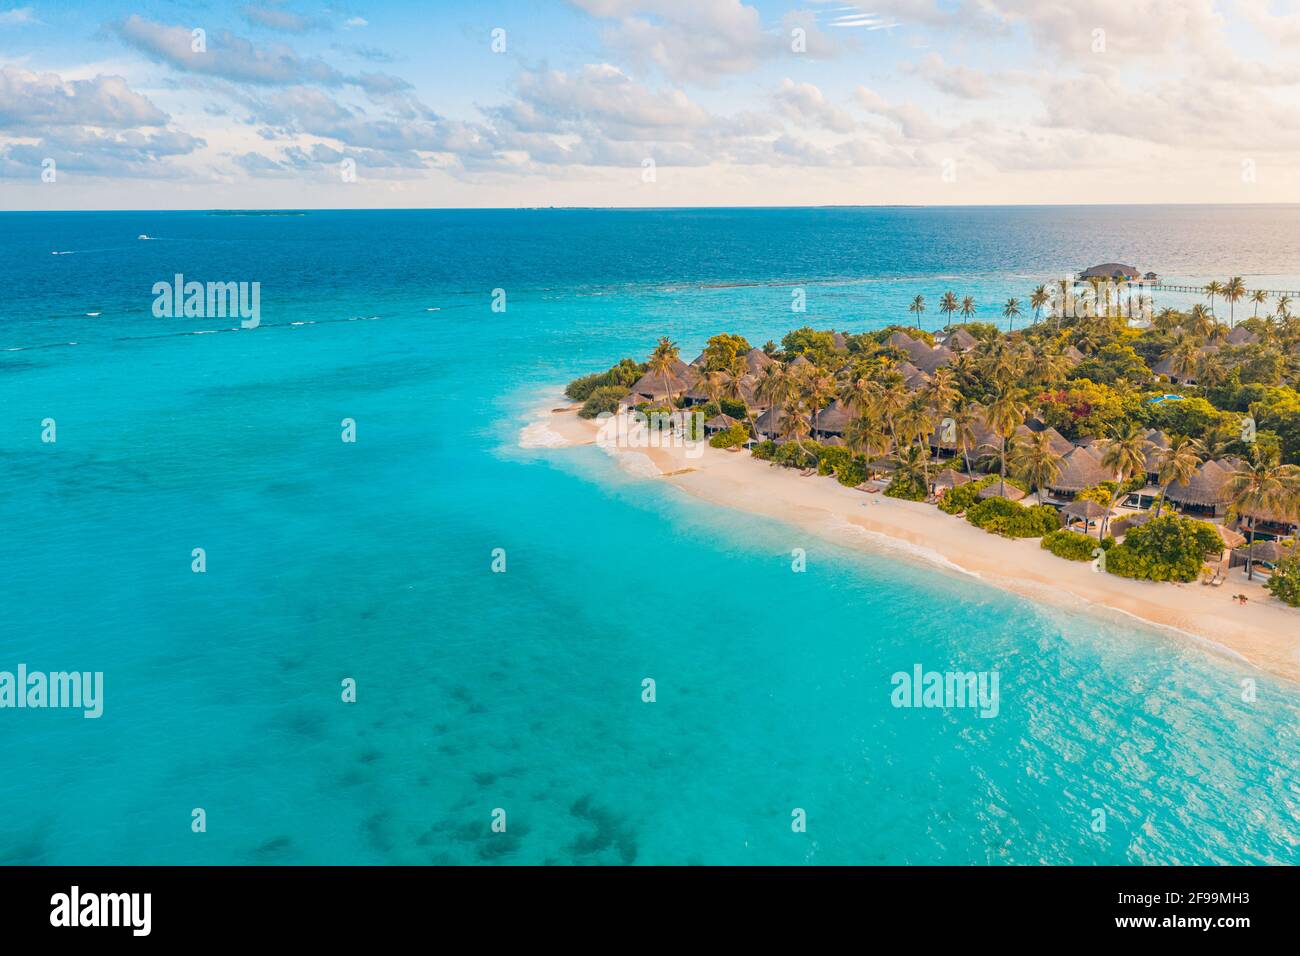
(142, 236)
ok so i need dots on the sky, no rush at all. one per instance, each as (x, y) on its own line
(295, 104)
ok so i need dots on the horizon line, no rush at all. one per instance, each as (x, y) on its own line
(586, 208)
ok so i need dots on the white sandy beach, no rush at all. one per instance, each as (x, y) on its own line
(1264, 632)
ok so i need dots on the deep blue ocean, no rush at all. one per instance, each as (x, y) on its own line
(371, 560)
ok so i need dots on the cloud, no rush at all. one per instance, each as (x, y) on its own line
(955, 80)
(127, 153)
(226, 55)
(46, 99)
(285, 21)
(687, 40)
(19, 17)
(804, 104)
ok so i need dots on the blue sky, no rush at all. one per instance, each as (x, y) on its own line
(289, 103)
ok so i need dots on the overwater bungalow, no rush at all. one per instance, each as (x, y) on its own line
(1114, 271)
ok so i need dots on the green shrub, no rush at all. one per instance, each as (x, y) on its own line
(853, 472)
(624, 374)
(1070, 545)
(1284, 583)
(764, 450)
(603, 399)
(791, 455)
(1171, 548)
(907, 489)
(1011, 520)
(956, 500)
(731, 437)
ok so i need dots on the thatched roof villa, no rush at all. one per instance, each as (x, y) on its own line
(959, 340)
(1114, 271)
(1080, 469)
(1204, 494)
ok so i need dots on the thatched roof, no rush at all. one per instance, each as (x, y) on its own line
(699, 361)
(950, 478)
(757, 360)
(1241, 336)
(1159, 444)
(960, 340)
(1110, 270)
(1079, 469)
(839, 341)
(1123, 524)
(993, 491)
(1084, 510)
(771, 422)
(800, 361)
(928, 360)
(1060, 444)
(833, 418)
(1231, 539)
(913, 378)
(681, 378)
(1271, 551)
(835, 441)
(900, 340)
(1205, 488)
(721, 422)
(1073, 355)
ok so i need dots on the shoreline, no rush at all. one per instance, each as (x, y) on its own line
(1264, 633)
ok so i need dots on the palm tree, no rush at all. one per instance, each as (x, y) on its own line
(1036, 461)
(1283, 306)
(714, 385)
(912, 466)
(964, 417)
(917, 308)
(662, 360)
(967, 308)
(1166, 319)
(1039, 298)
(1178, 463)
(866, 437)
(1011, 310)
(1124, 456)
(735, 387)
(1258, 297)
(1261, 486)
(1003, 415)
(941, 390)
(1213, 289)
(818, 387)
(1233, 291)
(948, 305)
(887, 400)
(1200, 322)
(1184, 358)
(774, 388)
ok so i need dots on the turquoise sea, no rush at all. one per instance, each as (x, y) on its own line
(522, 691)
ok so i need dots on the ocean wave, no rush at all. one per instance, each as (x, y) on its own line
(540, 435)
